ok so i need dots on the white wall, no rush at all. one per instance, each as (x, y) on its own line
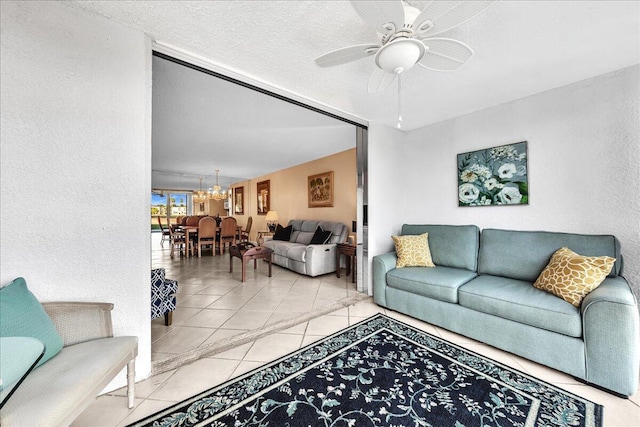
(386, 188)
(76, 153)
(584, 157)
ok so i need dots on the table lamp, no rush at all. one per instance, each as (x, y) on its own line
(272, 220)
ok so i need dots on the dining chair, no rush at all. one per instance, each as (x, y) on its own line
(206, 234)
(244, 234)
(192, 221)
(177, 240)
(165, 232)
(228, 228)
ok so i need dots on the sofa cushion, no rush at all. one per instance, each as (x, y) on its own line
(523, 255)
(517, 300)
(296, 224)
(441, 283)
(571, 276)
(451, 245)
(413, 251)
(338, 231)
(296, 252)
(302, 230)
(279, 247)
(282, 233)
(22, 315)
(303, 237)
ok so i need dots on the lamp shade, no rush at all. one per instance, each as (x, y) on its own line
(271, 216)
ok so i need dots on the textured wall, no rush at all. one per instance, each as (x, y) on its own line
(583, 164)
(76, 158)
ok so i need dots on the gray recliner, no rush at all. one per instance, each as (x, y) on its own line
(299, 255)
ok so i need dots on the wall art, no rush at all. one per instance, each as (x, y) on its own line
(320, 189)
(494, 176)
(264, 197)
(238, 200)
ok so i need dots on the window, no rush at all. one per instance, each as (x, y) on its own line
(168, 207)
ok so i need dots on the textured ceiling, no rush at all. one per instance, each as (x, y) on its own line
(521, 48)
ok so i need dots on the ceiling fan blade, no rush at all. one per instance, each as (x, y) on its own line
(440, 16)
(380, 80)
(346, 54)
(378, 14)
(445, 54)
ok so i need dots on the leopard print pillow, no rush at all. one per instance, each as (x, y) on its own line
(571, 276)
(413, 251)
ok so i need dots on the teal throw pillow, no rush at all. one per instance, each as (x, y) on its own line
(22, 315)
(18, 355)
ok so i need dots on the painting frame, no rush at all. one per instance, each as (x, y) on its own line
(495, 176)
(238, 200)
(263, 194)
(320, 190)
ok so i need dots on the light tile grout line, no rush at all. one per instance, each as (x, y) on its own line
(176, 361)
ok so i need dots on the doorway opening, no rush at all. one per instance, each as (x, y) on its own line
(204, 121)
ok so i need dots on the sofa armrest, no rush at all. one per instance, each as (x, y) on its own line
(80, 321)
(381, 265)
(320, 259)
(611, 336)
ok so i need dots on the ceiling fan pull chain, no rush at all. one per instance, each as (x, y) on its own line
(399, 101)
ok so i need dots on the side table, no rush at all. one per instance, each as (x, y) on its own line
(350, 252)
(247, 252)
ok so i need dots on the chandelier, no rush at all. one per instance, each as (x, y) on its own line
(199, 196)
(216, 194)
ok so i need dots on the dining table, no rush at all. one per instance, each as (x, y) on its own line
(188, 230)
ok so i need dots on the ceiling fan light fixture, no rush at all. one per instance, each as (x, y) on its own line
(399, 55)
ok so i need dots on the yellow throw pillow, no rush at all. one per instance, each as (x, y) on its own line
(571, 276)
(413, 251)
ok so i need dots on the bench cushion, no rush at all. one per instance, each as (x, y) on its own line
(519, 301)
(441, 283)
(86, 368)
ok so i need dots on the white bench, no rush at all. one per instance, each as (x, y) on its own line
(56, 392)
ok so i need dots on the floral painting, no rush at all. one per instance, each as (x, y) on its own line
(494, 176)
(320, 189)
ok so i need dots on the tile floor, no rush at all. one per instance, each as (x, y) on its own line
(267, 301)
(213, 304)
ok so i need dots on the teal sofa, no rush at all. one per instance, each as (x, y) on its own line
(482, 288)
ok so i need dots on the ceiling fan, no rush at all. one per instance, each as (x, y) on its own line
(406, 38)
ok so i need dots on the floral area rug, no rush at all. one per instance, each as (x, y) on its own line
(382, 372)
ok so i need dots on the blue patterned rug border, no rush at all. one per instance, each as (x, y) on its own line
(313, 354)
